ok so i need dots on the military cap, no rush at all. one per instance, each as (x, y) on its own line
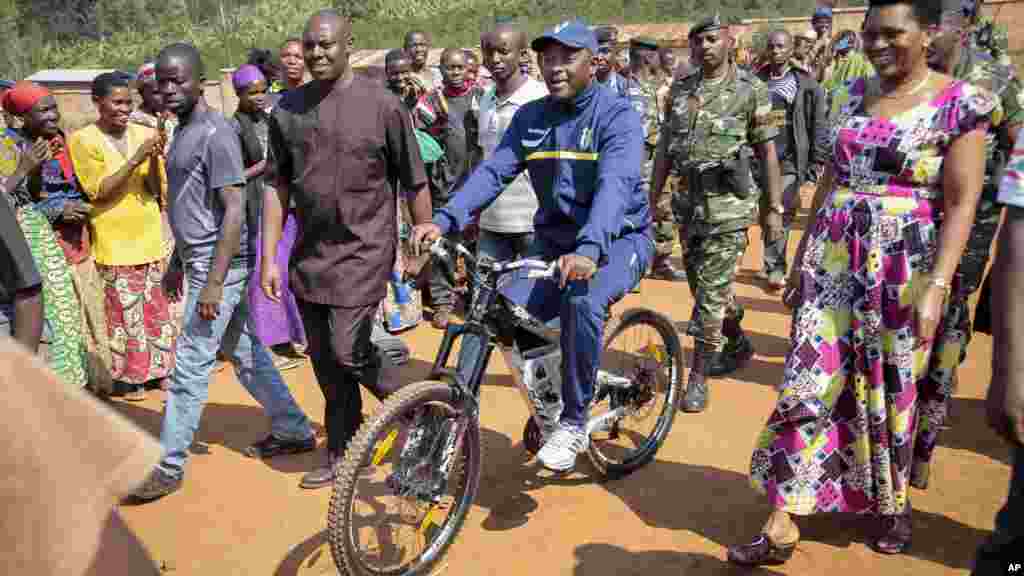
(644, 43)
(709, 24)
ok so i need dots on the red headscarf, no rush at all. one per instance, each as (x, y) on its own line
(19, 100)
(23, 96)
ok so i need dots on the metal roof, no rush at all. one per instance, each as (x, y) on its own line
(62, 76)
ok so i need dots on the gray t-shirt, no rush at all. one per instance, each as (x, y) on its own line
(205, 156)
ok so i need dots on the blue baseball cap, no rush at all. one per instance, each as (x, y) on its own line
(6, 84)
(571, 33)
(822, 13)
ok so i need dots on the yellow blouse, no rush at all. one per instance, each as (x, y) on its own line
(129, 231)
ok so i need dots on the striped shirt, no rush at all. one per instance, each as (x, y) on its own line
(512, 212)
(785, 87)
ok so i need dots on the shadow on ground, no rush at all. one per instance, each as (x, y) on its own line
(720, 505)
(311, 556)
(610, 560)
(770, 303)
(237, 426)
(970, 431)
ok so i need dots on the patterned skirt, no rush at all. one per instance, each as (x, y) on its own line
(855, 395)
(139, 323)
(89, 289)
(61, 309)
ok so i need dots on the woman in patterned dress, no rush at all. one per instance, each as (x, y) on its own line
(119, 165)
(872, 276)
(25, 154)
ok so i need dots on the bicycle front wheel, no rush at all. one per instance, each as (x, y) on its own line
(403, 490)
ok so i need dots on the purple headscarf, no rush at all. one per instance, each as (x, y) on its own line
(246, 75)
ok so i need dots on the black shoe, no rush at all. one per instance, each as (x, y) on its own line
(323, 476)
(158, 485)
(273, 446)
(736, 354)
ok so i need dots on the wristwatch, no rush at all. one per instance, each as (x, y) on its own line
(778, 209)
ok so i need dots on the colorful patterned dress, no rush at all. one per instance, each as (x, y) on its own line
(62, 311)
(855, 397)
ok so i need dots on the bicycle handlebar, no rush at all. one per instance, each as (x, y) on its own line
(536, 268)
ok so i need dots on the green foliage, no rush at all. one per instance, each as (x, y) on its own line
(37, 34)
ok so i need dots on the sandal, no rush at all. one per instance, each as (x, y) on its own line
(896, 535)
(761, 551)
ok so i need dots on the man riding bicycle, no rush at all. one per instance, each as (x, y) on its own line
(583, 147)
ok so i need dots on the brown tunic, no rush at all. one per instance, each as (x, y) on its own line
(342, 151)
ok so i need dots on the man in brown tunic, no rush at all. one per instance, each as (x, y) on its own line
(339, 146)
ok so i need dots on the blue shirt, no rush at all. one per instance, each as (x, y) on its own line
(584, 161)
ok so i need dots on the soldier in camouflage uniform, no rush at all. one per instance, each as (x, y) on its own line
(715, 117)
(984, 35)
(641, 87)
(950, 54)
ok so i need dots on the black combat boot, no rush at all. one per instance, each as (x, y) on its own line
(738, 348)
(695, 399)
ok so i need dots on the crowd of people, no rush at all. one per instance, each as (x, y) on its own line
(160, 238)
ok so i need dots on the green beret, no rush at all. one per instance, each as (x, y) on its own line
(644, 42)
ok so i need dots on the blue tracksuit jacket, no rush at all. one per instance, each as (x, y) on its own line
(584, 160)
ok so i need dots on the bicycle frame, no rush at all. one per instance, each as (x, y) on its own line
(493, 320)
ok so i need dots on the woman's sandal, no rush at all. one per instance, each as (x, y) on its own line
(896, 537)
(761, 551)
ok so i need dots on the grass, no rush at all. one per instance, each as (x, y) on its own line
(225, 30)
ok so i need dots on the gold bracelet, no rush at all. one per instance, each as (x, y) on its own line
(940, 283)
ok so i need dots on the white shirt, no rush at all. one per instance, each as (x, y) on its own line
(512, 212)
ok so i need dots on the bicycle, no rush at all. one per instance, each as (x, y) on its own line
(423, 446)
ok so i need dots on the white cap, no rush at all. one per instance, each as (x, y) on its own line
(808, 34)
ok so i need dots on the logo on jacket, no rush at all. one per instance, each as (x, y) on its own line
(539, 134)
(585, 138)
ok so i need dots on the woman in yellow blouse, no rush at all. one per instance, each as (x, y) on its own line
(120, 168)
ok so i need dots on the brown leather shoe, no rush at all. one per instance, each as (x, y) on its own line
(322, 476)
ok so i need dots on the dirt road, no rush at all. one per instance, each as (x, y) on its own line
(240, 516)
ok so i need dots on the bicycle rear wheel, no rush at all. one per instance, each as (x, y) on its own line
(392, 511)
(642, 348)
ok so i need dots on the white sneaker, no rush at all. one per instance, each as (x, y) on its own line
(560, 450)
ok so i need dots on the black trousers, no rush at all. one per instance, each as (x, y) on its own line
(343, 357)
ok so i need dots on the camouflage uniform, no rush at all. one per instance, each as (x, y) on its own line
(708, 125)
(988, 37)
(643, 95)
(954, 335)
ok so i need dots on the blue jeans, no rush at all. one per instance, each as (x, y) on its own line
(501, 246)
(582, 309)
(197, 346)
(1006, 545)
